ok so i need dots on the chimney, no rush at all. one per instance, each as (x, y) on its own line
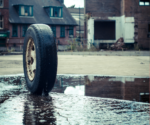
(61, 1)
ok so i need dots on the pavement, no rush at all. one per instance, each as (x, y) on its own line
(108, 53)
(86, 64)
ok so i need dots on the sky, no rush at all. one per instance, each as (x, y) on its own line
(77, 3)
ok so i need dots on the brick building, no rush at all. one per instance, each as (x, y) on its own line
(23, 13)
(4, 22)
(108, 20)
(126, 88)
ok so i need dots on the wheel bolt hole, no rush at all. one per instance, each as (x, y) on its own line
(34, 71)
(33, 48)
(32, 60)
(29, 62)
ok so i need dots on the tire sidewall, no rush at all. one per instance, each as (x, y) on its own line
(46, 58)
(31, 34)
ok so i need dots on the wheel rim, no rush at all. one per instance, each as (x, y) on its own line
(31, 59)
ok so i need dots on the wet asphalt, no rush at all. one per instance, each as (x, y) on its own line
(76, 100)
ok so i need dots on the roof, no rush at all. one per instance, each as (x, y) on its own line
(76, 10)
(73, 6)
(39, 13)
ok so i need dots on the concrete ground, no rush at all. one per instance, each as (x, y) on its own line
(78, 64)
(108, 53)
(99, 53)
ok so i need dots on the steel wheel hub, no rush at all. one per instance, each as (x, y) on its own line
(31, 59)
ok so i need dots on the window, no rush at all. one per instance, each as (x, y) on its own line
(149, 28)
(148, 35)
(104, 30)
(1, 3)
(71, 30)
(62, 31)
(144, 97)
(24, 29)
(1, 22)
(56, 12)
(54, 30)
(144, 2)
(26, 10)
(14, 30)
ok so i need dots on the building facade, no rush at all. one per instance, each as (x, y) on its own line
(4, 22)
(109, 20)
(78, 15)
(19, 15)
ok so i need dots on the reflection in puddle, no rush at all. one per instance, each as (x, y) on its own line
(70, 108)
(78, 90)
(27, 110)
(126, 88)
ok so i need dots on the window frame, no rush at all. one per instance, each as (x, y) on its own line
(24, 29)
(52, 8)
(71, 30)
(14, 30)
(148, 28)
(2, 23)
(62, 31)
(2, 4)
(54, 30)
(144, 3)
(28, 10)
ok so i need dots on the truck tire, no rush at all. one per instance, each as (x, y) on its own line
(39, 59)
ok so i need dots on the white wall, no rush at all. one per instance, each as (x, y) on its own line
(124, 28)
(129, 30)
(90, 32)
(123, 25)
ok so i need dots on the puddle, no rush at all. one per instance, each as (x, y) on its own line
(75, 100)
(125, 88)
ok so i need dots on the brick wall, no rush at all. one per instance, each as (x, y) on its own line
(133, 90)
(64, 41)
(103, 7)
(5, 13)
(104, 88)
(19, 39)
(107, 88)
(142, 18)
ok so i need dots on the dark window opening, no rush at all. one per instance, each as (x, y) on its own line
(24, 29)
(144, 2)
(144, 97)
(14, 30)
(56, 12)
(148, 35)
(62, 31)
(149, 28)
(1, 22)
(54, 30)
(2, 42)
(1, 3)
(71, 30)
(26, 10)
(104, 30)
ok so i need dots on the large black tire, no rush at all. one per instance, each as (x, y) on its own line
(39, 59)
